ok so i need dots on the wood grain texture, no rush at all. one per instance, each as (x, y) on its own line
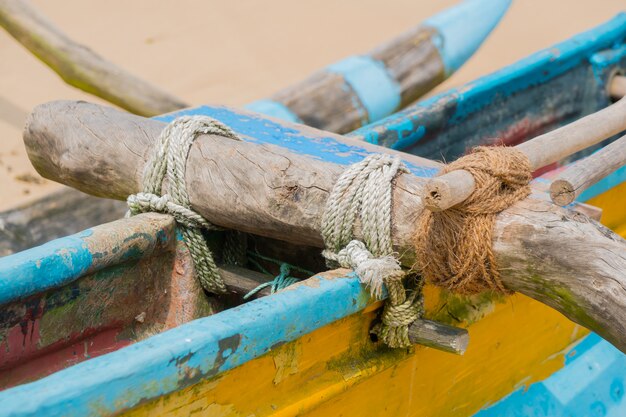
(434, 334)
(586, 172)
(326, 101)
(413, 61)
(554, 255)
(79, 66)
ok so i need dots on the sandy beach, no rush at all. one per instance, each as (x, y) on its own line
(235, 52)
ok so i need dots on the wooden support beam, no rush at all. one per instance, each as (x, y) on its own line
(263, 188)
(439, 336)
(586, 172)
(455, 187)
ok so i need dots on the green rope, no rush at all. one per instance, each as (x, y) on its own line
(281, 281)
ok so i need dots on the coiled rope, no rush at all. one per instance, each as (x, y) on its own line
(170, 159)
(454, 247)
(363, 192)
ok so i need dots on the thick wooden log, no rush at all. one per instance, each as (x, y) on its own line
(586, 172)
(455, 187)
(579, 267)
(414, 62)
(79, 66)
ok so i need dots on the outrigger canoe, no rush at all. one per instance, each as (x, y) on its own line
(306, 350)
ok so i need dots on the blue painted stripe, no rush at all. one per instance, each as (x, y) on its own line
(378, 91)
(179, 357)
(53, 264)
(257, 129)
(463, 28)
(591, 384)
(273, 109)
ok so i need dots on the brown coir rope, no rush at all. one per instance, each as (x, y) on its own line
(454, 246)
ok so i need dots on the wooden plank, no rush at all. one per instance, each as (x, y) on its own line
(212, 359)
(280, 192)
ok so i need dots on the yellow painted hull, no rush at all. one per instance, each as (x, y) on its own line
(336, 371)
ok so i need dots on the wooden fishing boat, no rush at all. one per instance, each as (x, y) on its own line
(345, 95)
(305, 350)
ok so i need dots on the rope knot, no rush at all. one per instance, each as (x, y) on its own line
(454, 246)
(372, 271)
(363, 192)
(401, 315)
(170, 159)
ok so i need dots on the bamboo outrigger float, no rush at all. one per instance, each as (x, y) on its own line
(340, 98)
(306, 350)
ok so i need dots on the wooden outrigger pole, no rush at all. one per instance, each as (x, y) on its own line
(455, 187)
(278, 188)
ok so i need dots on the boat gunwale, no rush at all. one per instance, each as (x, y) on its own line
(199, 349)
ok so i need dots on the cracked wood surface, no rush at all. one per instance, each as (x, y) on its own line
(549, 253)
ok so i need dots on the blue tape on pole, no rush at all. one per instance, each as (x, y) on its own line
(273, 109)
(378, 91)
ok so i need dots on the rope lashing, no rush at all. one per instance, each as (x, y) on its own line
(170, 158)
(454, 246)
(364, 190)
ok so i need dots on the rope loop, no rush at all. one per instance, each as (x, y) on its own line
(169, 159)
(146, 203)
(363, 192)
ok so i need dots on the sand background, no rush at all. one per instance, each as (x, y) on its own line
(233, 52)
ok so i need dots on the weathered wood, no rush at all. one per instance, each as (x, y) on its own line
(439, 336)
(362, 89)
(242, 280)
(452, 188)
(79, 66)
(586, 172)
(327, 100)
(271, 191)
